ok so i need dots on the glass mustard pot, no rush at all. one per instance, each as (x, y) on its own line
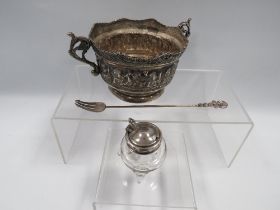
(143, 148)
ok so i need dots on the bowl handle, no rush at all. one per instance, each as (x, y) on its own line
(84, 46)
(185, 27)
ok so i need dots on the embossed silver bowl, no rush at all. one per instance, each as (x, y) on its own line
(136, 58)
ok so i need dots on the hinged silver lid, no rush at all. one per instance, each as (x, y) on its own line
(143, 137)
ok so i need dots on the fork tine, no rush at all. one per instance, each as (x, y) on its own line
(93, 107)
(86, 107)
(84, 102)
(88, 104)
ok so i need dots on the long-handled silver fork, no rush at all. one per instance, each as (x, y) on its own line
(100, 106)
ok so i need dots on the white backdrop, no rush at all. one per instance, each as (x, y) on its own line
(239, 37)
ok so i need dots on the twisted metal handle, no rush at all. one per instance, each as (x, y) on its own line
(84, 46)
(214, 104)
(185, 27)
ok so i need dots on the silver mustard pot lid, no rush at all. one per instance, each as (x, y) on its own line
(143, 137)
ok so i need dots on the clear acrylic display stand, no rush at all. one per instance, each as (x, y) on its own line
(168, 187)
(230, 127)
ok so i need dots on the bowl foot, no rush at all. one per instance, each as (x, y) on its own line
(136, 98)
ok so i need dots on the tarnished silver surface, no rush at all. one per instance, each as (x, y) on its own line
(100, 106)
(143, 137)
(136, 58)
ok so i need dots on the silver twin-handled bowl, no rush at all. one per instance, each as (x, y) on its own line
(136, 58)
